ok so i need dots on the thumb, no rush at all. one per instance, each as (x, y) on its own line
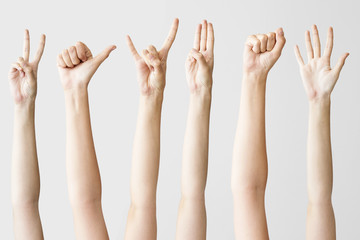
(198, 57)
(280, 42)
(100, 58)
(24, 65)
(340, 63)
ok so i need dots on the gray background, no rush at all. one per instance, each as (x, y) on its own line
(114, 99)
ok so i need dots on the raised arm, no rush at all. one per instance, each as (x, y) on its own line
(319, 80)
(25, 177)
(76, 67)
(249, 169)
(151, 70)
(191, 224)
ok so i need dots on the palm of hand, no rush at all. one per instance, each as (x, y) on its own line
(318, 77)
(254, 62)
(199, 76)
(23, 85)
(78, 76)
(149, 79)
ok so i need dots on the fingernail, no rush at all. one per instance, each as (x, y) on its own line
(281, 32)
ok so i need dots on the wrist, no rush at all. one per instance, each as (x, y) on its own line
(256, 75)
(76, 99)
(155, 98)
(203, 95)
(76, 92)
(254, 83)
(255, 78)
(25, 106)
(323, 101)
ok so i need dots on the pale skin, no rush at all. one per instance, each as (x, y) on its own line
(191, 223)
(25, 178)
(319, 80)
(151, 72)
(76, 67)
(249, 167)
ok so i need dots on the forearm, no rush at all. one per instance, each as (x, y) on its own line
(25, 170)
(320, 217)
(82, 168)
(146, 151)
(249, 157)
(319, 157)
(195, 150)
(141, 223)
(191, 222)
(25, 175)
(249, 169)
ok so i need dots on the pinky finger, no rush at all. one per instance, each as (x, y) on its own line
(60, 61)
(339, 65)
(298, 55)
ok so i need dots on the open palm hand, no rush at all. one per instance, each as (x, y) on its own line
(318, 77)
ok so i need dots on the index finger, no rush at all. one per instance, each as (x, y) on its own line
(132, 48)
(171, 36)
(40, 50)
(197, 38)
(26, 49)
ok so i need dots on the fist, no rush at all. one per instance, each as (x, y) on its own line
(262, 51)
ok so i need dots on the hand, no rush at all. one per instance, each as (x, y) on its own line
(200, 62)
(262, 51)
(318, 77)
(23, 74)
(151, 66)
(77, 65)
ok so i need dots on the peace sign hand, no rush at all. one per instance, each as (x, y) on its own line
(23, 74)
(151, 65)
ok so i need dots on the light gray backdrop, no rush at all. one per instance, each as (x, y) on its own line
(114, 100)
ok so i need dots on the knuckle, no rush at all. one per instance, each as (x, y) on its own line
(79, 43)
(198, 54)
(72, 49)
(271, 35)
